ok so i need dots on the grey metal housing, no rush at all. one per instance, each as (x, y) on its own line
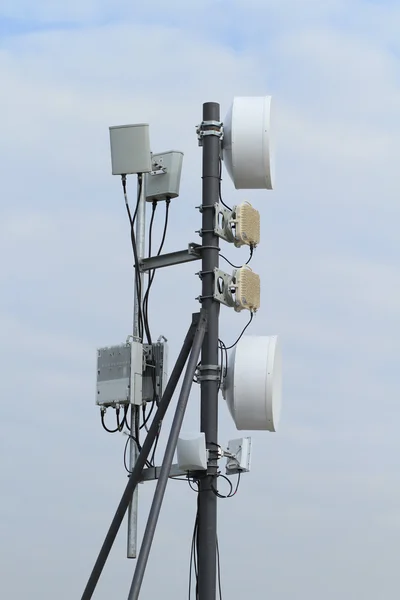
(130, 149)
(165, 177)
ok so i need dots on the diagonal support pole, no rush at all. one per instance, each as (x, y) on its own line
(135, 476)
(168, 458)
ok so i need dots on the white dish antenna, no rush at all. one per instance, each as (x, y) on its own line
(246, 145)
(253, 384)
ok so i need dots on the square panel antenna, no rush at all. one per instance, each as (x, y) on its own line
(164, 179)
(239, 456)
(247, 225)
(241, 290)
(247, 290)
(240, 226)
(130, 149)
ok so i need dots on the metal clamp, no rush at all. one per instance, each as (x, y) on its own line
(224, 288)
(210, 128)
(223, 228)
(210, 377)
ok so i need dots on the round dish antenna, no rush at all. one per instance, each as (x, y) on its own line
(246, 144)
(253, 384)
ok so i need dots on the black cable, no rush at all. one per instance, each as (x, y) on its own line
(222, 371)
(120, 424)
(217, 493)
(232, 492)
(193, 565)
(152, 273)
(131, 437)
(241, 335)
(219, 572)
(125, 419)
(220, 186)
(237, 483)
(224, 361)
(146, 418)
(224, 352)
(102, 413)
(191, 486)
(151, 276)
(138, 283)
(137, 426)
(146, 296)
(237, 266)
(153, 454)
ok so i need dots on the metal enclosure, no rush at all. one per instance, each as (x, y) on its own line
(113, 375)
(191, 452)
(130, 149)
(155, 365)
(131, 373)
(165, 177)
(240, 461)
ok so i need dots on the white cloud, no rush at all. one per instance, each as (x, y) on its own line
(328, 263)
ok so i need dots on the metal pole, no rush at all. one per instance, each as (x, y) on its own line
(167, 460)
(137, 300)
(141, 461)
(207, 506)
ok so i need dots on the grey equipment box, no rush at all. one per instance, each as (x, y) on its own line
(119, 374)
(130, 149)
(165, 177)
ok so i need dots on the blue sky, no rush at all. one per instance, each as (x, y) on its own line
(318, 515)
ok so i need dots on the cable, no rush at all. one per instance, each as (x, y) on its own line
(217, 493)
(118, 428)
(241, 335)
(137, 426)
(232, 492)
(222, 370)
(236, 266)
(191, 486)
(220, 186)
(149, 275)
(146, 418)
(224, 352)
(219, 572)
(131, 437)
(153, 456)
(193, 565)
(237, 483)
(138, 283)
(153, 272)
(125, 420)
(135, 437)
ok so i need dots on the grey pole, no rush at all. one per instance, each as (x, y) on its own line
(167, 460)
(141, 461)
(133, 450)
(207, 506)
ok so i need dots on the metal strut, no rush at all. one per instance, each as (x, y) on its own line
(167, 460)
(136, 474)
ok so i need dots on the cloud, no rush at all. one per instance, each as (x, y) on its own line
(316, 510)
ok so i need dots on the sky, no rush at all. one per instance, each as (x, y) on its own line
(318, 515)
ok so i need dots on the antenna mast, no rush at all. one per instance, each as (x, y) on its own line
(132, 376)
(210, 136)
